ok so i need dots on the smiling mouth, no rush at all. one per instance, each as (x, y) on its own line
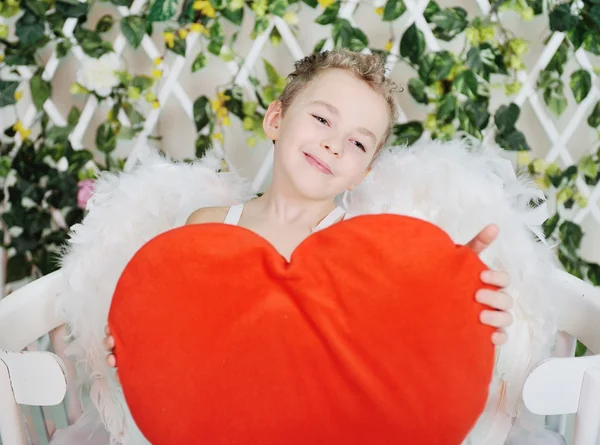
(318, 164)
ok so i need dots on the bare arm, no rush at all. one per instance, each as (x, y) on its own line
(207, 215)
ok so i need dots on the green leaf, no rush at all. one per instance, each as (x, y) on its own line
(549, 226)
(442, 65)
(449, 22)
(447, 109)
(203, 144)
(73, 118)
(40, 91)
(179, 47)
(407, 134)
(412, 44)
(580, 349)
(506, 117)
(478, 115)
(311, 3)
(29, 29)
(591, 42)
(133, 28)
(272, 74)
(594, 273)
(71, 8)
(466, 83)
(393, 9)
(594, 118)
(561, 18)
(432, 8)
(559, 58)
(330, 14)
(485, 60)
(588, 167)
(577, 35)
(36, 7)
(105, 23)
(7, 92)
(17, 268)
(260, 25)
(570, 236)
(581, 84)
(106, 139)
(555, 99)
(358, 40)
(63, 47)
(5, 163)
(199, 62)
(278, 7)
(217, 38)
(236, 17)
(162, 10)
(512, 140)
(319, 46)
(416, 88)
(91, 43)
(202, 112)
(142, 82)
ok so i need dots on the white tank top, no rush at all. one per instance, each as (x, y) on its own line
(235, 213)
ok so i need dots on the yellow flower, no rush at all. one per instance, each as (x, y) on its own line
(226, 122)
(155, 104)
(205, 8)
(439, 88)
(379, 11)
(157, 74)
(150, 96)
(291, 18)
(251, 141)
(580, 199)
(18, 95)
(183, 33)
(218, 137)
(539, 166)
(23, 132)
(472, 35)
(157, 61)
(76, 88)
(518, 46)
(487, 33)
(1, 58)
(523, 158)
(199, 28)
(388, 45)
(248, 123)
(169, 39)
(512, 88)
(326, 3)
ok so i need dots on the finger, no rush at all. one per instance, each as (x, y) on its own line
(483, 239)
(107, 330)
(108, 343)
(494, 299)
(111, 360)
(496, 319)
(499, 338)
(496, 278)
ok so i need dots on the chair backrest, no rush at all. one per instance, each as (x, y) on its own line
(27, 378)
(29, 312)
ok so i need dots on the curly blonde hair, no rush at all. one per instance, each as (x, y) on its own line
(369, 68)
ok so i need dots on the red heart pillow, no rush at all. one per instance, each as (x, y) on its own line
(369, 335)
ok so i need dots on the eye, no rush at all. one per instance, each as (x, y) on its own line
(320, 119)
(359, 145)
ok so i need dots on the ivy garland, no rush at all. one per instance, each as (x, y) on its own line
(41, 175)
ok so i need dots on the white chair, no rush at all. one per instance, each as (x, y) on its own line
(569, 385)
(27, 378)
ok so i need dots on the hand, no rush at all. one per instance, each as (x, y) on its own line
(109, 344)
(498, 300)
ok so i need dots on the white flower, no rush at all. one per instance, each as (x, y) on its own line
(62, 165)
(99, 75)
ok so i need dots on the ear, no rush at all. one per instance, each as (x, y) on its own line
(272, 120)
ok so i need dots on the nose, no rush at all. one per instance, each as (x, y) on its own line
(333, 148)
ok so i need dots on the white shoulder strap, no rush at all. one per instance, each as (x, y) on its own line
(234, 214)
(333, 216)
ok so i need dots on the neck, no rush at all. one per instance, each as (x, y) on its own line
(288, 209)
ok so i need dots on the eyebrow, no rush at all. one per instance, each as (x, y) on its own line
(335, 111)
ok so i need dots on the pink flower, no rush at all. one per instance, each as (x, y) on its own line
(86, 190)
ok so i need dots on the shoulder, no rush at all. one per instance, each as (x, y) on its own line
(207, 215)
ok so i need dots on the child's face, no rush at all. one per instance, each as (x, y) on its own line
(330, 132)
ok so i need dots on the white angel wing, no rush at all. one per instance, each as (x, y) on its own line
(462, 189)
(126, 211)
